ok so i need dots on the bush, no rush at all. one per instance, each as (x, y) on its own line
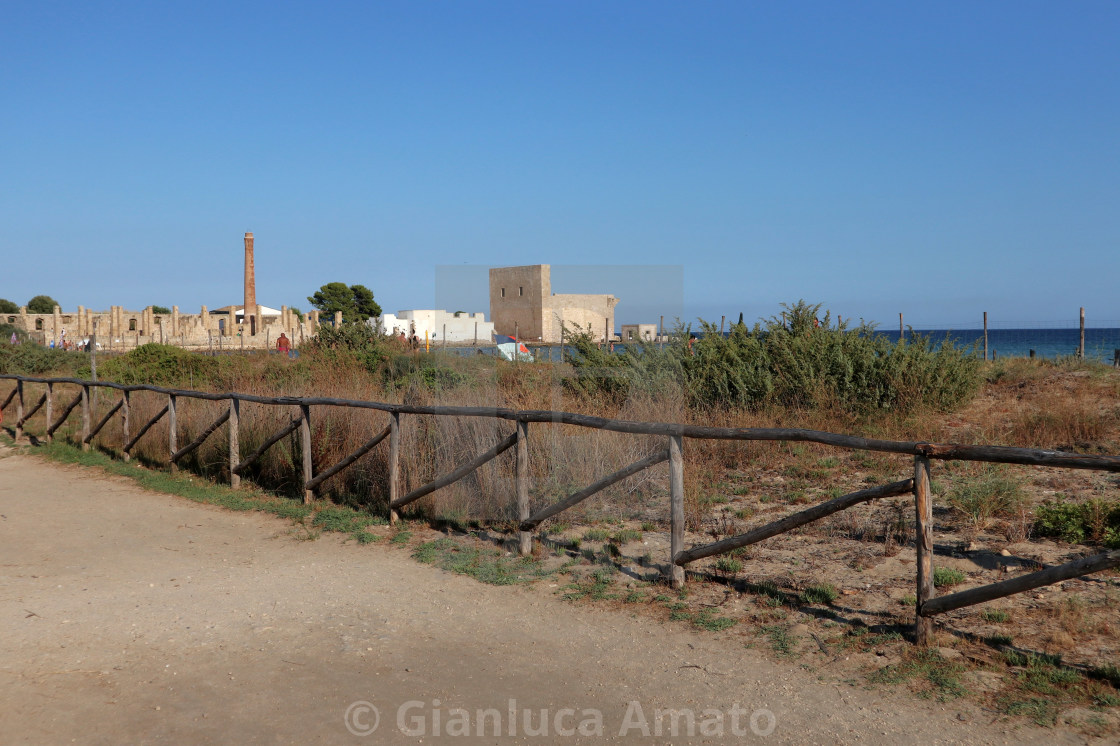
(369, 346)
(159, 365)
(30, 359)
(947, 577)
(787, 361)
(1096, 521)
(819, 594)
(990, 495)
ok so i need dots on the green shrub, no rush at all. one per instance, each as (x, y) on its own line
(30, 359)
(729, 565)
(947, 577)
(1092, 521)
(819, 594)
(990, 495)
(626, 536)
(784, 361)
(159, 365)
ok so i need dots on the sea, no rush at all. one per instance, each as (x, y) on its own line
(1101, 344)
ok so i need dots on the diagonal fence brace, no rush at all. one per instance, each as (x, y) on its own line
(577, 497)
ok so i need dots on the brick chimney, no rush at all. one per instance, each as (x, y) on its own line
(250, 317)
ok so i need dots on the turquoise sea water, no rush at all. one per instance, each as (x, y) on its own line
(1100, 344)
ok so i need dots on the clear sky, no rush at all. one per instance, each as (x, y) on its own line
(938, 159)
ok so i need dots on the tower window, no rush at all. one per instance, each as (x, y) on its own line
(520, 291)
(503, 292)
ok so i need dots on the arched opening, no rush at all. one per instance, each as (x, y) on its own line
(38, 325)
(132, 325)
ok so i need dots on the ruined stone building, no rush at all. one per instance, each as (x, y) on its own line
(522, 304)
(228, 327)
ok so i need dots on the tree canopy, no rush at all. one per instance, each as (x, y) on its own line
(41, 304)
(6, 306)
(354, 301)
(161, 309)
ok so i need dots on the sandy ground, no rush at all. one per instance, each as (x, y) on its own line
(133, 617)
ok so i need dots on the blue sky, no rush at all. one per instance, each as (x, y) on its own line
(938, 159)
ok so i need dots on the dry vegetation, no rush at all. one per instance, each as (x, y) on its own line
(841, 588)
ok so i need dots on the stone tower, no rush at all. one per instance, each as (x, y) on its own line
(250, 317)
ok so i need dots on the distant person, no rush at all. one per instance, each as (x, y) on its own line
(284, 345)
(14, 340)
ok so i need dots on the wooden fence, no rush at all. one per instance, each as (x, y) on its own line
(928, 605)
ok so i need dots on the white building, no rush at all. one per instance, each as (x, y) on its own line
(639, 332)
(440, 326)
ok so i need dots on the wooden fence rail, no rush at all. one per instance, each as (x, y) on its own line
(927, 604)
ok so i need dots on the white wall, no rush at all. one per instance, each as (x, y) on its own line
(459, 328)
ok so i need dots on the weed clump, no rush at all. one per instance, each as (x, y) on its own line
(798, 360)
(1096, 521)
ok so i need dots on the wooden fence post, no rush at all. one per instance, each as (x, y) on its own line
(19, 410)
(923, 540)
(525, 538)
(985, 336)
(305, 446)
(394, 464)
(50, 410)
(127, 413)
(1081, 344)
(172, 431)
(85, 418)
(676, 510)
(234, 441)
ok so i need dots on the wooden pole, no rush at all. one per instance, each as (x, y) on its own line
(676, 510)
(305, 446)
(394, 464)
(127, 414)
(445, 335)
(19, 410)
(476, 334)
(50, 410)
(345, 463)
(1081, 346)
(901, 330)
(661, 336)
(577, 497)
(85, 418)
(1049, 576)
(525, 538)
(923, 540)
(722, 319)
(172, 432)
(790, 522)
(985, 336)
(234, 441)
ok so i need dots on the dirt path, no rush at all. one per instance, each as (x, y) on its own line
(133, 617)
